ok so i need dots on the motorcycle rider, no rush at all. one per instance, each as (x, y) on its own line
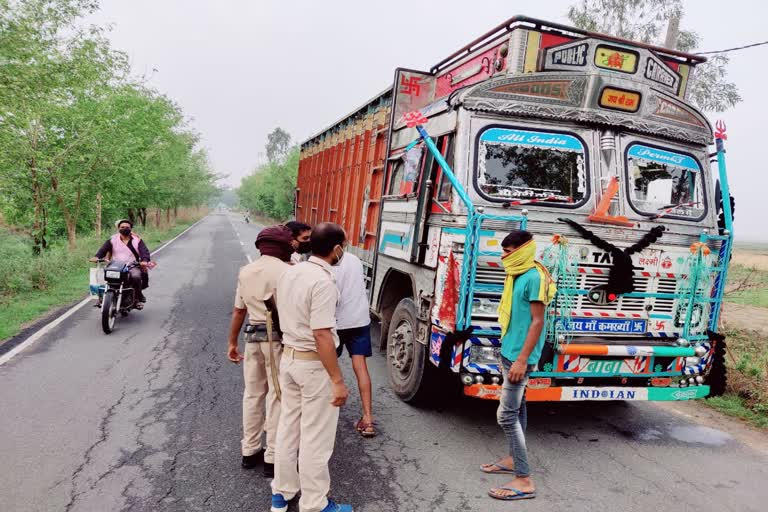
(127, 247)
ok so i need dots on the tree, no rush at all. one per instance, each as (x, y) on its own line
(77, 133)
(647, 21)
(278, 144)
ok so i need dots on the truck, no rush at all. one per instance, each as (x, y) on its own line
(585, 140)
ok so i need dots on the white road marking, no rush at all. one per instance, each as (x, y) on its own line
(71, 311)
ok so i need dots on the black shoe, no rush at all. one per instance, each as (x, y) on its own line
(269, 470)
(251, 461)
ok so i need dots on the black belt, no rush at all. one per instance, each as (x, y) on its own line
(258, 332)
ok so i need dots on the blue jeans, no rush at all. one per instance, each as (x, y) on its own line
(513, 417)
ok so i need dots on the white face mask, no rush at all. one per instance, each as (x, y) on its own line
(338, 258)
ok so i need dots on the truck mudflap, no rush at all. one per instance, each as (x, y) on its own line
(593, 393)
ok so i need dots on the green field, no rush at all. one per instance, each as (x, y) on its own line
(752, 284)
(31, 287)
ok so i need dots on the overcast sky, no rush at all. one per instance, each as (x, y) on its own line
(239, 68)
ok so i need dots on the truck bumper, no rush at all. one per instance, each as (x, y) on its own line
(592, 393)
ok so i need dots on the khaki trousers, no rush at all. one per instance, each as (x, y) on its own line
(307, 432)
(260, 398)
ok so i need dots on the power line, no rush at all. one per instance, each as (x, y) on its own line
(733, 49)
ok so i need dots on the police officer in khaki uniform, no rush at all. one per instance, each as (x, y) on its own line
(310, 379)
(256, 286)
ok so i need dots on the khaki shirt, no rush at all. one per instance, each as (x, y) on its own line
(306, 299)
(256, 283)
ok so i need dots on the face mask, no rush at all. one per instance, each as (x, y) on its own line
(304, 248)
(338, 258)
(125, 231)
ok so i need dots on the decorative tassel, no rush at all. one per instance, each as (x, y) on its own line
(621, 278)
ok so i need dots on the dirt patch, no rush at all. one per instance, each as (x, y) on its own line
(741, 316)
(757, 258)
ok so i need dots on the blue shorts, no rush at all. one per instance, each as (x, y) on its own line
(357, 340)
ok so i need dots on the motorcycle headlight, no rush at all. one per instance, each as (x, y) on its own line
(113, 274)
(484, 355)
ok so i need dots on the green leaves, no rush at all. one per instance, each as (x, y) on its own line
(647, 21)
(74, 125)
(269, 190)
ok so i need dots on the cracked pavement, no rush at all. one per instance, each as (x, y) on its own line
(148, 418)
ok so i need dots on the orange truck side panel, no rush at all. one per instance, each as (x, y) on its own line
(341, 177)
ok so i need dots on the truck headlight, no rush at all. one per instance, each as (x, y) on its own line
(484, 355)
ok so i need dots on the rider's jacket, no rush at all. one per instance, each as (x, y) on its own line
(121, 252)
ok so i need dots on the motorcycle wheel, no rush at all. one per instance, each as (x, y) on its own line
(109, 311)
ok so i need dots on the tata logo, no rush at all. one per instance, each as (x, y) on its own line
(657, 72)
(571, 56)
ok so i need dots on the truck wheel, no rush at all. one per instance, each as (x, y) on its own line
(717, 378)
(406, 357)
(108, 311)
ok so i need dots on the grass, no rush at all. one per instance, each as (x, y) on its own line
(31, 287)
(752, 286)
(747, 393)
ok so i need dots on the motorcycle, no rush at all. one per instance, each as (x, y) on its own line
(117, 296)
(247, 220)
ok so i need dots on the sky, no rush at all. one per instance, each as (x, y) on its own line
(240, 68)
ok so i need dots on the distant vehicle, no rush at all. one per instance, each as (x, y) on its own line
(536, 126)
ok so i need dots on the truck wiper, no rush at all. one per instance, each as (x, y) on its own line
(670, 208)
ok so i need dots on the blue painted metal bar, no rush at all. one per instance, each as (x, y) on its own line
(724, 256)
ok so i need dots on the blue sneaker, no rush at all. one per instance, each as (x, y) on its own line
(279, 504)
(335, 507)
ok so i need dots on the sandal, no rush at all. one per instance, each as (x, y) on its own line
(366, 429)
(518, 494)
(485, 468)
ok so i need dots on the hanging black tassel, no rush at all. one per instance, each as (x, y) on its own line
(621, 277)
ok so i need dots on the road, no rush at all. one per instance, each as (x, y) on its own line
(148, 419)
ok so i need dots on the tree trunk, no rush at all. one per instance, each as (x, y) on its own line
(157, 218)
(38, 240)
(673, 32)
(143, 217)
(69, 220)
(98, 215)
(167, 217)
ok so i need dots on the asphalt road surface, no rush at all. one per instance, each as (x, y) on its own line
(148, 418)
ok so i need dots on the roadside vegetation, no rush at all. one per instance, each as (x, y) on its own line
(747, 338)
(269, 190)
(83, 143)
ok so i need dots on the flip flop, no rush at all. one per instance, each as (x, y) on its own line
(366, 429)
(503, 470)
(519, 495)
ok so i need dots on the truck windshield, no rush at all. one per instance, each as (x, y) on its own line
(531, 166)
(664, 182)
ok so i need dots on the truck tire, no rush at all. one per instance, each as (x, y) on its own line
(717, 378)
(407, 358)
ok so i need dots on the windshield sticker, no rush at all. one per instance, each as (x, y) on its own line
(663, 157)
(535, 139)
